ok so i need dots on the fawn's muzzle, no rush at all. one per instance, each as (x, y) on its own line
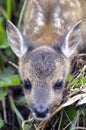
(41, 112)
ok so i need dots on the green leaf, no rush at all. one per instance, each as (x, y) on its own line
(7, 72)
(21, 101)
(3, 40)
(80, 82)
(28, 126)
(3, 93)
(3, 1)
(74, 121)
(70, 78)
(9, 78)
(1, 123)
(13, 80)
(3, 36)
(68, 116)
(1, 21)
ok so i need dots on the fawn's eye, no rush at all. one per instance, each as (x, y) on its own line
(27, 84)
(58, 85)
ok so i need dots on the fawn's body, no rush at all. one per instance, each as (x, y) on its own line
(45, 57)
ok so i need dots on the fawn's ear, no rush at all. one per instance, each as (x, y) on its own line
(71, 40)
(16, 40)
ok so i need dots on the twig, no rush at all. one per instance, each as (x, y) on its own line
(67, 126)
(2, 11)
(4, 110)
(80, 128)
(15, 109)
(26, 121)
(13, 64)
(67, 116)
(60, 121)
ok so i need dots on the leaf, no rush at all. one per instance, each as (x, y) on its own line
(7, 72)
(3, 93)
(1, 123)
(74, 121)
(21, 101)
(3, 1)
(74, 99)
(82, 101)
(13, 80)
(3, 41)
(70, 78)
(3, 36)
(69, 114)
(26, 125)
(80, 82)
(9, 78)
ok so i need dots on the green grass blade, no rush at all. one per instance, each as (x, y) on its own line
(21, 14)
(73, 125)
(9, 9)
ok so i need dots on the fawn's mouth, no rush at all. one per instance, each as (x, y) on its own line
(41, 113)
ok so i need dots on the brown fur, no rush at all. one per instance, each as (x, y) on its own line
(71, 12)
(43, 74)
(45, 57)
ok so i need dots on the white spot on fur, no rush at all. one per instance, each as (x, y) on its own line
(28, 20)
(24, 31)
(59, 32)
(72, 4)
(73, 14)
(58, 23)
(39, 19)
(65, 15)
(57, 12)
(40, 22)
(78, 4)
(38, 5)
(56, 15)
(36, 29)
(62, 2)
(56, 18)
(68, 27)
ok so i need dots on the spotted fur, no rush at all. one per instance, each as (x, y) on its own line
(50, 38)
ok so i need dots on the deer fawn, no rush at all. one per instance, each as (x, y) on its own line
(50, 38)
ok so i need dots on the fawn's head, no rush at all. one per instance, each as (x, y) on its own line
(44, 69)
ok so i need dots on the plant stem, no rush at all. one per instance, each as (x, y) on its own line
(21, 14)
(18, 114)
(9, 4)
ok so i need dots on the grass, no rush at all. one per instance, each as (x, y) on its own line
(9, 8)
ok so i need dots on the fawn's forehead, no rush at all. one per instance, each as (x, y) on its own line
(43, 56)
(43, 62)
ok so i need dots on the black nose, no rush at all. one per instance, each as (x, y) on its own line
(41, 111)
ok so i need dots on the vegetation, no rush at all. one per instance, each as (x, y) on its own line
(70, 115)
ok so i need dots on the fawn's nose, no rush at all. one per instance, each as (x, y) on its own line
(41, 112)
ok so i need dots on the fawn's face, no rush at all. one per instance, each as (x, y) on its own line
(43, 72)
(44, 69)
